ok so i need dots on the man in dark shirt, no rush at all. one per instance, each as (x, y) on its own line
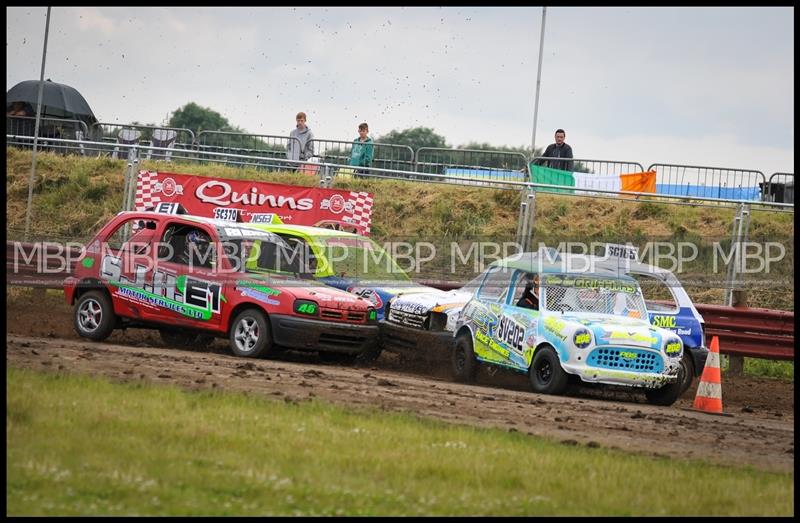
(530, 296)
(560, 149)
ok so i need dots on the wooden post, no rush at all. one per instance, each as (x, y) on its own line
(736, 363)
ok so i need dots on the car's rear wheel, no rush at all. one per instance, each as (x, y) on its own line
(465, 365)
(250, 336)
(94, 316)
(546, 374)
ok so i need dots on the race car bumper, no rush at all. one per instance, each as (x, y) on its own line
(433, 345)
(308, 334)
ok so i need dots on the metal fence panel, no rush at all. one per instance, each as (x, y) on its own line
(112, 134)
(709, 182)
(480, 165)
(258, 145)
(22, 127)
(780, 188)
(385, 155)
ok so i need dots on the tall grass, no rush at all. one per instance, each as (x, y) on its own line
(85, 446)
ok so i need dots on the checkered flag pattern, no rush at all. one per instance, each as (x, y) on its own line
(362, 210)
(144, 190)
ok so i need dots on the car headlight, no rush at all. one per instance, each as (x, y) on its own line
(582, 338)
(307, 307)
(673, 347)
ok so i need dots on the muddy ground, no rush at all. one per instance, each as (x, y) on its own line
(760, 432)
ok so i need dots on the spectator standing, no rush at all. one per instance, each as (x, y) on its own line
(17, 125)
(303, 150)
(560, 149)
(363, 149)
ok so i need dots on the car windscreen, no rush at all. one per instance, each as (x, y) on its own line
(617, 296)
(360, 258)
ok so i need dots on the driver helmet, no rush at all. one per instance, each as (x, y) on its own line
(589, 298)
(200, 240)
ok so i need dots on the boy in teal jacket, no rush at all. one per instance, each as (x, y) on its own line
(363, 150)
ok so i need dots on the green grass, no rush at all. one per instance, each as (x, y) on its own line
(783, 370)
(78, 445)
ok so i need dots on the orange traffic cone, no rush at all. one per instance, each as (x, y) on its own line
(709, 392)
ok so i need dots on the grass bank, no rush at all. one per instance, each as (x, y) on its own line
(86, 446)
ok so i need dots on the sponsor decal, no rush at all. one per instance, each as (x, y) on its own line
(226, 213)
(307, 308)
(410, 307)
(257, 286)
(673, 347)
(262, 217)
(582, 339)
(510, 332)
(260, 296)
(336, 204)
(368, 294)
(627, 355)
(666, 322)
(185, 295)
(221, 193)
(493, 345)
(590, 283)
(628, 252)
(555, 326)
(619, 335)
(168, 187)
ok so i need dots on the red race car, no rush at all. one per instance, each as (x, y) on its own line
(195, 278)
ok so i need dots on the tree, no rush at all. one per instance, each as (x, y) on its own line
(235, 140)
(414, 137)
(192, 116)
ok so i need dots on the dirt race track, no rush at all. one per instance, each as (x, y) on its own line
(760, 432)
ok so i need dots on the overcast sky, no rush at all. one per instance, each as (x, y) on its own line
(702, 86)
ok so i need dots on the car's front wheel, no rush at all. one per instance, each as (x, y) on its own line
(94, 316)
(465, 365)
(546, 374)
(687, 370)
(666, 395)
(249, 334)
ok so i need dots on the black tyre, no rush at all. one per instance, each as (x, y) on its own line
(338, 358)
(94, 316)
(687, 370)
(666, 395)
(250, 336)
(178, 337)
(546, 374)
(465, 366)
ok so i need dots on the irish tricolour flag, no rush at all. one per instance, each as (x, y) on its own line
(636, 182)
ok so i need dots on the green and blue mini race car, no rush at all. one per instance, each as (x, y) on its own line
(531, 315)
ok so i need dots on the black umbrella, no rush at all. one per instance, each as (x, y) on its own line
(58, 100)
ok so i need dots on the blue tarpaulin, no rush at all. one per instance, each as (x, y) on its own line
(710, 191)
